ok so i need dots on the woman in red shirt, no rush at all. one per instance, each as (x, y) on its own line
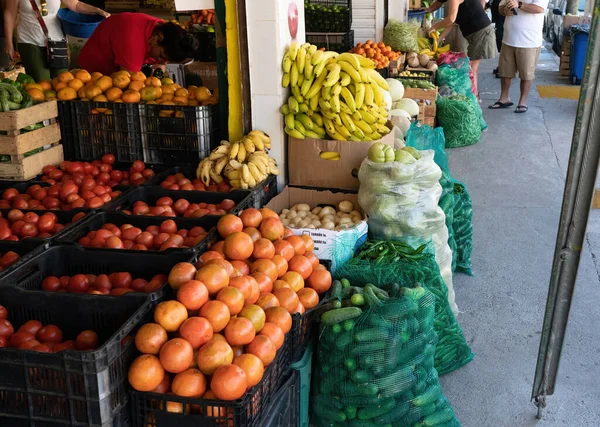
(127, 41)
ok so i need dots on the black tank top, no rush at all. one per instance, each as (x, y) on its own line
(471, 17)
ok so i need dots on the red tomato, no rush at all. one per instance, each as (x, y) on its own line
(168, 226)
(10, 193)
(138, 285)
(15, 215)
(164, 201)
(121, 280)
(19, 338)
(6, 328)
(103, 281)
(29, 230)
(31, 326)
(46, 223)
(51, 284)
(9, 258)
(131, 233)
(180, 206)
(114, 242)
(49, 334)
(153, 229)
(138, 166)
(79, 284)
(31, 218)
(86, 340)
(3, 312)
(160, 239)
(145, 238)
(95, 202)
(108, 159)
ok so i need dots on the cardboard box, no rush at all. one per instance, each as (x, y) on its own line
(337, 246)
(569, 20)
(207, 72)
(307, 168)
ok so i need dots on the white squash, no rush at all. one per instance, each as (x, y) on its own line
(408, 105)
(396, 89)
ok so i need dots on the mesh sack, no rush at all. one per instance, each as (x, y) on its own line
(402, 36)
(462, 227)
(452, 350)
(402, 200)
(459, 116)
(447, 205)
(425, 137)
(456, 76)
(377, 368)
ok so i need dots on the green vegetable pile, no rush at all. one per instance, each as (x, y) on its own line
(459, 116)
(12, 94)
(409, 264)
(417, 84)
(402, 36)
(462, 227)
(447, 205)
(375, 360)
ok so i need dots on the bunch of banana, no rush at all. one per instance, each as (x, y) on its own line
(245, 163)
(434, 50)
(424, 43)
(339, 95)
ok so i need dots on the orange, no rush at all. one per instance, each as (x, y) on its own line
(202, 94)
(152, 81)
(34, 86)
(288, 299)
(217, 313)
(146, 373)
(229, 382)
(182, 93)
(138, 76)
(37, 95)
(46, 84)
(50, 94)
(239, 331)
(213, 276)
(95, 76)
(294, 279)
(136, 85)
(255, 314)
(281, 284)
(239, 246)
(93, 91)
(179, 100)
(308, 298)
(252, 366)
(233, 298)
(281, 263)
(100, 98)
(274, 332)
(264, 266)
(166, 81)
(189, 383)
(67, 94)
(170, 315)
(148, 93)
(166, 97)
(150, 338)
(75, 84)
(212, 355)
(81, 93)
(65, 76)
(83, 75)
(320, 281)
(121, 73)
(267, 300)
(263, 348)
(121, 81)
(193, 102)
(210, 101)
(104, 83)
(170, 89)
(113, 93)
(280, 316)
(131, 96)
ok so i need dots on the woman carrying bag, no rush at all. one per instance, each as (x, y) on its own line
(42, 43)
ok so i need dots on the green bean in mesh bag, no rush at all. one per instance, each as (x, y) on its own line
(410, 263)
(402, 36)
(375, 360)
(462, 227)
(459, 116)
(447, 205)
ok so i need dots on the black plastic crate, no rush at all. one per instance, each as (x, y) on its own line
(64, 217)
(26, 249)
(186, 138)
(68, 260)
(11, 183)
(96, 220)
(264, 191)
(284, 408)
(149, 409)
(151, 194)
(328, 16)
(100, 133)
(67, 129)
(337, 42)
(70, 388)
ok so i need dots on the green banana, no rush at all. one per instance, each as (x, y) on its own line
(289, 121)
(294, 133)
(305, 120)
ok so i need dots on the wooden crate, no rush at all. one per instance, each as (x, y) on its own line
(17, 143)
(12, 74)
(565, 56)
(426, 100)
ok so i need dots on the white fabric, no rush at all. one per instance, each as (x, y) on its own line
(525, 29)
(29, 29)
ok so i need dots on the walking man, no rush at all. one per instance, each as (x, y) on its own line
(521, 47)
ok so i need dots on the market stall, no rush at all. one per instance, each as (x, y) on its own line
(193, 292)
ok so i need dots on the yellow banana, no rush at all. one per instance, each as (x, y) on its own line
(262, 168)
(358, 132)
(305, 120)
(329, 155)
(306, 84)
(235, 147)
(350, 70)
(317, 57)
(309, 67)
(338, 137)
(344, 108)
(286, 64)
(300, 78)
(362, 125)
(329, 126)
(311, 134)
(241, 156)
(293, 105)
(353, 137)
(320, 131)
(235, 164)
(377, 78)
(326, 93)
(333, 75)
(378, 96)
(293, 50)
(294, 75)
(311, 49)
(245, 173)
(294, 133)
(345, 79)
(363, 75)
(297, 94)
(329, 114)
(317, 119)
(248, 144)
(350, 58)
(316, 86)
(233, 174)
(367, 117)
(220, 164)
(257, 141)
(289, 121)
(365, 62)
(375, 135)
(348, 123)
(313, 102)
(325, 105)
(255, 172)
(299, 127)
(336, 89)
(285, 80)
(285, 109)
(348, 99)
(335, 103)
(301, 60)
(359, 98)
(343, 131)
(337, 120)
(369, 96)
(303, 107)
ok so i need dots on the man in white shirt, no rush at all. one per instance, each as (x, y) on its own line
(521, 47)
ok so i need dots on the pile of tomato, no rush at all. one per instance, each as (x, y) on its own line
(231, 312)
(114, 284)
(179, 181)
(18, 225)
(33, 335)
(165, 206)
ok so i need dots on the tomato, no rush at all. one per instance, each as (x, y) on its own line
(139, 285)
(160, 239)
(153, 229)
(168, 226)
(4, 312)
(6, 328)
(104, 168)
(86, 340)
(88, 184)
(64, 281)
(164, 201)
(51, 284)
(113, 242)
(103, 281)
(138, 166)
(10, 193)
(19, 338)
(49, 334)
(121, 280)
(131, 233)
(20, 204)
(5, 233)
(29, 230)
(78, 283)
(8, 259)
(46, 223)
(67, 345)
(31, 326)
(57, 228)
(108, 159)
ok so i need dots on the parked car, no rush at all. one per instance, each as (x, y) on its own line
(553, 22)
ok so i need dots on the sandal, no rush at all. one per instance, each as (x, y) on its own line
(521, 109)
(498, 105)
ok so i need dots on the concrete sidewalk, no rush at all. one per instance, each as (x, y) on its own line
(515, 175)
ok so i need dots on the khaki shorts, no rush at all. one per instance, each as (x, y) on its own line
(482, 44)
(521, 59)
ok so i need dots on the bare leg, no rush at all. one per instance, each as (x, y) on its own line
(525, 88)
(504, 89)
(475, 69)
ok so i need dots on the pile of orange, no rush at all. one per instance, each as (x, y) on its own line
(377, 52)
(122, 86)
(231, 312)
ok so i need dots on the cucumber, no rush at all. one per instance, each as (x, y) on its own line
(378, 321)
(27, 100)
(350, 412)
(351, 389)
(13, 92)
(350, 364)
(360, 377)
(342, 342)
(375, 411)
(439, 418)
(431, 395)
(360, 400)
(4, 101)
(328, 413)
(370, 296)
(371, 334)
(336, 329)
(365, 423)
(348, 325)
(367, 348)
(351, 290)
(357, 300)
(336, 290)
(397, 383)
(398, 411)
(340, 315)
(398, 309)
(345, 283)
(329, 401)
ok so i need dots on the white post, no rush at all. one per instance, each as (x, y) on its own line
(272, 25)
(398, 10)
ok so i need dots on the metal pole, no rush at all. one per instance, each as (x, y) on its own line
(578, 194)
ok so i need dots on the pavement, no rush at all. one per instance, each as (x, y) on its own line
(516, 177)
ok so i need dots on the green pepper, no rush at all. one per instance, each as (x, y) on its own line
(24, 79)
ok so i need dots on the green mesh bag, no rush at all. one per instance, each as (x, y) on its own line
(459, 115)
(375, 364)
(452, 350)
(457, 76)
(447, 205)
(462, 227)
